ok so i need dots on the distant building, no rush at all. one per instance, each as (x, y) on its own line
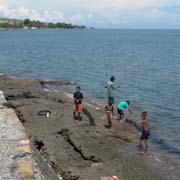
(34, 28)
(3, 29)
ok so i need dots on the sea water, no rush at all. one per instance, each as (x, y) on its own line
(146, 63)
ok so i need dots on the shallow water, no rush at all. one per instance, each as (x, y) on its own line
(145, 63)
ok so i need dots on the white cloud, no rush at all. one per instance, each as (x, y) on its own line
(77, 19)
(119, 21)
(94, 4)
(155, 10)
(35, 15)
(94, 12)
(98, 5)
(47, 16)
(157, 15)
(89, 16)
(13, 13)
(53, 16)
(22, 13)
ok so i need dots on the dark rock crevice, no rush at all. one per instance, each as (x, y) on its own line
(20, 116)
(58, 170)
(124, 138)
(65, 134)
(40, 146)
(18, 95)
(90, 117)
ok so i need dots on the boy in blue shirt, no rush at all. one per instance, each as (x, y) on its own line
(121, 107)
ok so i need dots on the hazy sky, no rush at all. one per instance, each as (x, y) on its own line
(97, 13)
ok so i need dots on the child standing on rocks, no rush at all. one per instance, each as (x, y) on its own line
(78, 97)
(145, 134)
(109, 112)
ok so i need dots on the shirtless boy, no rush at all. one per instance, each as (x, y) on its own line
(145, 134)
(109, 112)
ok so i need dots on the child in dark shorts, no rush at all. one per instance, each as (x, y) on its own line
(145, 133)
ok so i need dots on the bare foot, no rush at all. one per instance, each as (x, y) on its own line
(141, 152)
(122, 122)
(76, 122)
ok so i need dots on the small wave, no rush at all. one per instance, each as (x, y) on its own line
(13, 77)
(101, 97)
(46, 89)
(56, 90)
(164, 145)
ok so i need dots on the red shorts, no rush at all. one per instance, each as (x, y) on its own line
(78, 107)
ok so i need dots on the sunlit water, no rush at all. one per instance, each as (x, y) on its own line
(146, 63)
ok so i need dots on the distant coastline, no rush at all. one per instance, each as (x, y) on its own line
(27, 24)
(21, 29)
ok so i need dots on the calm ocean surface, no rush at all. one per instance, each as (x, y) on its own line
(146, 63)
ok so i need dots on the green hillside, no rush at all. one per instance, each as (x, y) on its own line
(6, 23)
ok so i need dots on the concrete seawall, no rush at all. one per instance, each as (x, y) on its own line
(17, 155)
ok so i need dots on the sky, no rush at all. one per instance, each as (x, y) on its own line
(97, 13)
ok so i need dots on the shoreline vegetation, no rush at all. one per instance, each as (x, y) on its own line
(27, 24)
(83, 150)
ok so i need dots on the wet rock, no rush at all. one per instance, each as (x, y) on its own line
(96, 165)
(55, 83)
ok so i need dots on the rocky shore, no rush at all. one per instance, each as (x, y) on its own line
(79, 151)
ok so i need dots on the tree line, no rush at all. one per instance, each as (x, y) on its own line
(27, 23)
